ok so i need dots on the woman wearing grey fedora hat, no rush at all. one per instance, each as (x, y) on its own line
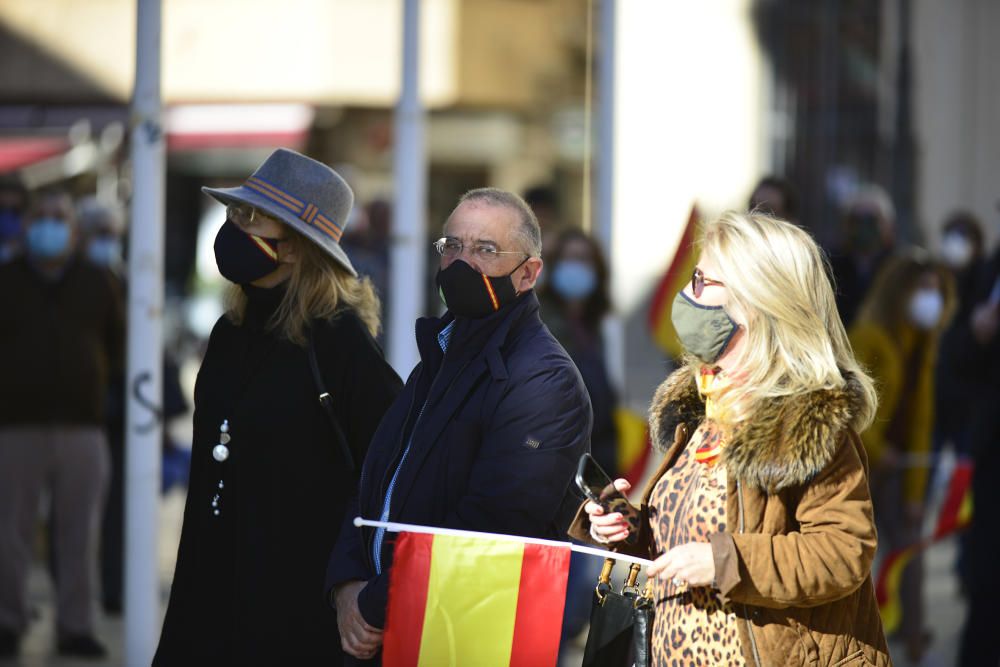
(290, 391)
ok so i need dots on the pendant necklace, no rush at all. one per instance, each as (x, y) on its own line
(220, 453)
(222, 449)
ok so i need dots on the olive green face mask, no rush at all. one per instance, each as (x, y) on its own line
(704, 331)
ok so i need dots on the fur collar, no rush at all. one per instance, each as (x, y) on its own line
(785, 444)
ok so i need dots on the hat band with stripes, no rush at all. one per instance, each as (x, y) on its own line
(305, 211)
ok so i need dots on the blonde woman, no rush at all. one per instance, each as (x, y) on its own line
(759, 518)
(271, 469)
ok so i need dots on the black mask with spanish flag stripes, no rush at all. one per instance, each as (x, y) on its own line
(244, 258)
(469, 293)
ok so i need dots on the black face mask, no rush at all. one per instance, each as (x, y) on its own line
(469, 293)
(244, 258)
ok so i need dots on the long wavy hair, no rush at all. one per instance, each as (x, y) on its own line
(316, 289)
(779, 287)
(887, 300)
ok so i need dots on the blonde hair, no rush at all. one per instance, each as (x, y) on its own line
(778, 285)
(317, 288)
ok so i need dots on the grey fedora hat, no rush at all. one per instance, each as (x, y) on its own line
(305, 194)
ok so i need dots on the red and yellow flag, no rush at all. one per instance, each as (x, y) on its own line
(887, 585)
(458, 600)
(634, 448)
(678, 274)
(956, 510)
(954, 516)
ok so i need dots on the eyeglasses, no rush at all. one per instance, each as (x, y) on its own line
(241, 214)
(698, 282)
(486, 252)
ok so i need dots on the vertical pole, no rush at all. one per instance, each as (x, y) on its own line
(614, 327)
(902, 185)
(145, 353)
(606, 129)
(408, 254)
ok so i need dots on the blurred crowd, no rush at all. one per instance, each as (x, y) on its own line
(923, 319)
(62, 410)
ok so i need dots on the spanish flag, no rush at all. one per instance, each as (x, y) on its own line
(954, 516)
(678, 274)
(463, 600)
(634, 448)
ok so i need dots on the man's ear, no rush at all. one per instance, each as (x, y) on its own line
(527, 275)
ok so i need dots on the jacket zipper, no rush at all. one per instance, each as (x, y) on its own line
(746, 613)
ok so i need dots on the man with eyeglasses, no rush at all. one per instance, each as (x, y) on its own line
(488, 430)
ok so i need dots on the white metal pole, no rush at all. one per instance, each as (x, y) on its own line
(145, 347)
(408, 254)
(614, 327)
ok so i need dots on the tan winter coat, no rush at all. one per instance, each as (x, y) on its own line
(797, 556)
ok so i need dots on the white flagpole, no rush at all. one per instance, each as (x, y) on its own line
(613, 327)
(407, 252)
(453, 532)
(145, 347)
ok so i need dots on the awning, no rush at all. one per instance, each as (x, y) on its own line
(18, 152)
(194, 127)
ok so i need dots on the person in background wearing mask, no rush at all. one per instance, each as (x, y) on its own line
(869, 226)
(272, 467)
(64, 336)
(100, 243)
(759, 517)
(573, 304)
(101, 230)
(487, 432)
(13, 200)
(896, 337)
(961, 251)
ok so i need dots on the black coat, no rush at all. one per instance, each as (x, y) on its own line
(63, 340)
(505, 420)
(982, 392)
(586, 349)
(248, 587)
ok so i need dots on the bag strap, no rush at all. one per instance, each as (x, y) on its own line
(604, 579)
(604, 585)
(326, 401)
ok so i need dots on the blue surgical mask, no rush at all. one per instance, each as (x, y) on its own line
(47, 238)
(574, 280)
(104, 251)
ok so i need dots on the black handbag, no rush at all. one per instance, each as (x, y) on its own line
(621, 623)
